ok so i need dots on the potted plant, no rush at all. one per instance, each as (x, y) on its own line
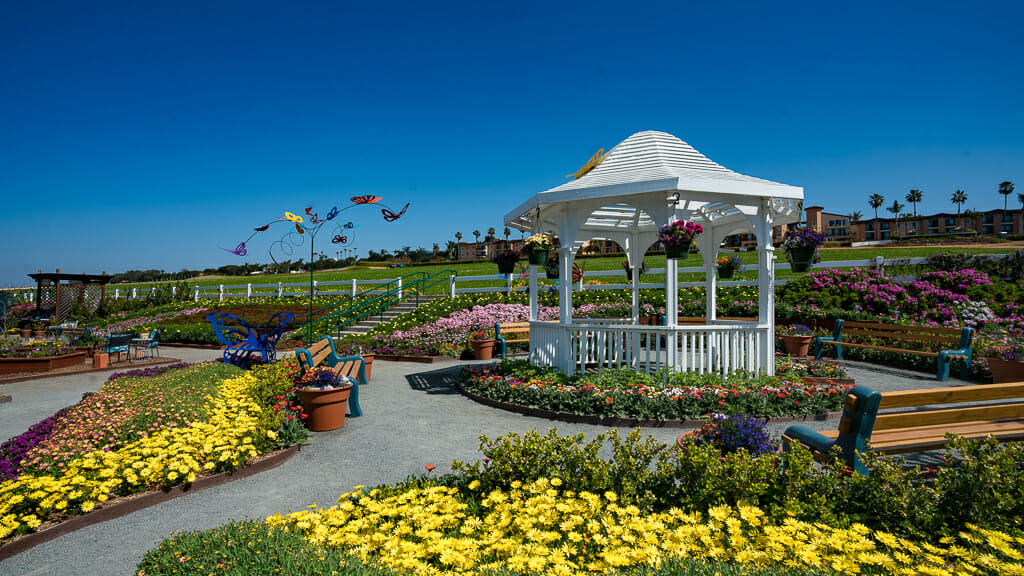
(801, 248)
(796, 338)
(730, 434)
(357, 345)
(482, 344)
(629, 269)
(506, 261)
(537, 248)
(324, 395)
(677, 236)
(39, 329)
(1007, 362)
(728, 266)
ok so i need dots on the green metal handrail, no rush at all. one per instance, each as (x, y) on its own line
(362, 308)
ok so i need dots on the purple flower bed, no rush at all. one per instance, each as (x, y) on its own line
(149, 371)
(14, 450)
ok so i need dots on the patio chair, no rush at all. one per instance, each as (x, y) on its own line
(116, 344)
(150, 347)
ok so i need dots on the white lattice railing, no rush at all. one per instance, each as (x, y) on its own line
(724, 347)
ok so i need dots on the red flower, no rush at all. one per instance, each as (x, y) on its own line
(430, 467)
(607, 400)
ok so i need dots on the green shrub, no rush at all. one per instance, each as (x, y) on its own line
(188, 333)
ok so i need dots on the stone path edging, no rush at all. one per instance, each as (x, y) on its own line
(129, 366)
(145, 500)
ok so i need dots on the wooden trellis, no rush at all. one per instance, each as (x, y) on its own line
(56, 293)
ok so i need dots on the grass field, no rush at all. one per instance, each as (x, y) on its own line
(380, 271)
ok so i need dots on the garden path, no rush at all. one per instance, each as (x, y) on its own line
(413, 417)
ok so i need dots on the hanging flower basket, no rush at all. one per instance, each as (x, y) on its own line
(678, 252)
(725, 273)
(506, 261)
(537, 248)
(677, 237)
(727, 267)
(801, 248)
(801, 259)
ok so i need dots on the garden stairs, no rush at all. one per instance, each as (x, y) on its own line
(396, 310)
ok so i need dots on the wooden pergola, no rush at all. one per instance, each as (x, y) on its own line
(58, 291)
(646, 181)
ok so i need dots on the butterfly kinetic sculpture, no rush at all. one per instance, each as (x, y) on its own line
(310, 224)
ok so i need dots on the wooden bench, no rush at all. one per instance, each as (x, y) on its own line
(322, 353)
(520, 332)
(909, 425)
(960, 337)
(115, 344)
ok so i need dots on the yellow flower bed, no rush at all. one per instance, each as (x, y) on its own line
(540, 529)
(231, 435)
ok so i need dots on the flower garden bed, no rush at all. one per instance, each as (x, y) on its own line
(624, 397)
(143, 431)
(43, 364)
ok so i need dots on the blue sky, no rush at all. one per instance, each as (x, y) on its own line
(138, 135)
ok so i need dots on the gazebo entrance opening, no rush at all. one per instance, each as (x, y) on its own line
(56, 293)
(645, 182)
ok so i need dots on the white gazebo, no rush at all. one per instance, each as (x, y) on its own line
(646, 181)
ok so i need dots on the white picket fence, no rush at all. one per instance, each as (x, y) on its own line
(498, 282)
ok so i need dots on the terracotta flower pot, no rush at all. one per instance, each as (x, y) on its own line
(326, 408)
(100, 359)
(482, 349)
(368, 358)
(39, 333)
(1006, 370)
(796, 345)
(680, 252)
(25, 332)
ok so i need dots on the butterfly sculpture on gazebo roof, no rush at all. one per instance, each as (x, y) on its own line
(310, 224)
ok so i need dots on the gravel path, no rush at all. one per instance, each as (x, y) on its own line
(413, 416)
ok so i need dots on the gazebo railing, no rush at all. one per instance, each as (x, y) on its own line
(724, 347)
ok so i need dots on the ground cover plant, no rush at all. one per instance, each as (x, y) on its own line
(624, 393)
(36, 350)
(140, 433)
(553, 505)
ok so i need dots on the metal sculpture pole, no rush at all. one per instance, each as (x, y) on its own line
(311, 226)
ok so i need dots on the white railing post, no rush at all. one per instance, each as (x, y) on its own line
(280, 290)
(451, 285)
(316, 288)
(880, 265)
(399, 288)
(354, 288)
(117, 294)
(134, 293)
(197, 293)
(248, 291)
(508, 284)
(174, 291)
(220, 293)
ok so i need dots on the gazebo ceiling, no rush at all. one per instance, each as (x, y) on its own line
(653, 169)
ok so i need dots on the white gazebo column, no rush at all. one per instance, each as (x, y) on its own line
(709, 253)
(636, 260)
(766, 287)
(533, 292)
(565, 254)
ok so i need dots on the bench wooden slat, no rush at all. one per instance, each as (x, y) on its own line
(902, 336)
(952, 395)
(319, 357)
(902, 328)
(873, 347)
(933, 437)
(348, 368)
(917, 419)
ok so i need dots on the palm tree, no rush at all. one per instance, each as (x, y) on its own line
(477, 234)
(876, 202)
(452, 249)
(970, 217)
(959, 197)
(856, 215)
(490, 234)
(1005, 188)
(507, 233)
(895, 209)
(914, 196)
